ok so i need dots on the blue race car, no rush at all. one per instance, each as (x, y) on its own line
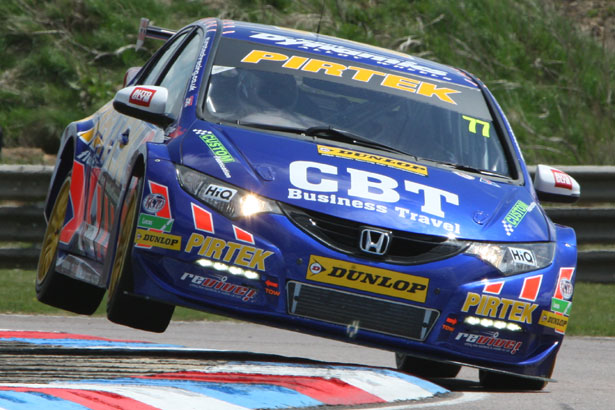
(319, 185)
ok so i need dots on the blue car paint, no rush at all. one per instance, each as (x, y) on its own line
(262, 162)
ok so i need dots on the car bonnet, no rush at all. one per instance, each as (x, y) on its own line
(376, 188)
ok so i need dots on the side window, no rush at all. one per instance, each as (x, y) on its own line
(158, 67)
(178, 74)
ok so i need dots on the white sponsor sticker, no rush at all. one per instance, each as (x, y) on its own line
(523, 256)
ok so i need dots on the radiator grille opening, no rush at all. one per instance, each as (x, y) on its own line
(344, 235)
(362, 312)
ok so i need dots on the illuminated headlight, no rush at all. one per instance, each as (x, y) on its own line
(514, 258)
(229, 200)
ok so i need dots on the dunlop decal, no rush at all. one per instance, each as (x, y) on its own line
(367, 278)
(372, 159)
(554, 321)
(158, 239)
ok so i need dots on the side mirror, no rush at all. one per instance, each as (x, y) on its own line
(553, 185)
(145, 102)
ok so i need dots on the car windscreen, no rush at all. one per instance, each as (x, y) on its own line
(441, 121)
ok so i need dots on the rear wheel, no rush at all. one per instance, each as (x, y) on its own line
(123, 307)
(424, 367)
(52, 287)
(499, 381)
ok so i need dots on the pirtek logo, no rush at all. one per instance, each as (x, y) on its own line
(500, 308)
(141, 96)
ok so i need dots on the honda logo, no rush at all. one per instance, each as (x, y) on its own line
(375, 241)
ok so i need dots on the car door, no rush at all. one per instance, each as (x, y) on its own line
(123, 136)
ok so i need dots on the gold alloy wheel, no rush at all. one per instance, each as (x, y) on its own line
(52, 233)
(123, 243)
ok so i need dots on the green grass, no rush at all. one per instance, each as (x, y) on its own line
(593, 311)
(17, 296)
(60, 60)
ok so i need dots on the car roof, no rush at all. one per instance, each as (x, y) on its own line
(344, 49)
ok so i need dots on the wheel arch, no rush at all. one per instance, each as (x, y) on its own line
(137, 168)
(64, 165)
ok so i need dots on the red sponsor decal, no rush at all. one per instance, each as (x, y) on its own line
(494, 288)
(155, 188)
(141, 96)
(77, 192)
(202, 219)
(242, 235)
(564, 282)
(562, 180)
(530, 289)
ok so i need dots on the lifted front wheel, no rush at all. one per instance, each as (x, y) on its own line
(123, 307)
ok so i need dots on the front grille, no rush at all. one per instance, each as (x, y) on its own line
(360, 312)
(343, 235)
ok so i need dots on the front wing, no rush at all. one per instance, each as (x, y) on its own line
(266, 269)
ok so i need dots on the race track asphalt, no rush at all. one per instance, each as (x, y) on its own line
(584, 371)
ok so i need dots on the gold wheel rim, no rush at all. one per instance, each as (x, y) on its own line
(123, 244)
(52, 233)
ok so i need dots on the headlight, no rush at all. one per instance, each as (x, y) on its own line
(229, 200)
(514, 258)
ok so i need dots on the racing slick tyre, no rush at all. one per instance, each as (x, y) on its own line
(424, 367)
(52, 287)
(499, 381)
(123, 307)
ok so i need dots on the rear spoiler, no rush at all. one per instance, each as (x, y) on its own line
(147, 31)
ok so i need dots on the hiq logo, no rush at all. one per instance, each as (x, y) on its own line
(523, 256)
(220, 193)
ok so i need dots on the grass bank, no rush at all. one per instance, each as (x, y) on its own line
(62, 59)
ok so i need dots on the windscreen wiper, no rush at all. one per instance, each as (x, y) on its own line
(272, 127)
(336, 134)
(468, 168)
(325, 132)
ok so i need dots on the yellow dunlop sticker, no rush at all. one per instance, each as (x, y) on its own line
(158, 239)
(553, 320)
(372, 159)
(367, 278)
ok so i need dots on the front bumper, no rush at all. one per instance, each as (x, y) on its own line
(266, 269)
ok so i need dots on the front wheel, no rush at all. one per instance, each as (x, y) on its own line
(123, 307)
(52, 287)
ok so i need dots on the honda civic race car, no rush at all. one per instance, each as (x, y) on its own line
(319, 185)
